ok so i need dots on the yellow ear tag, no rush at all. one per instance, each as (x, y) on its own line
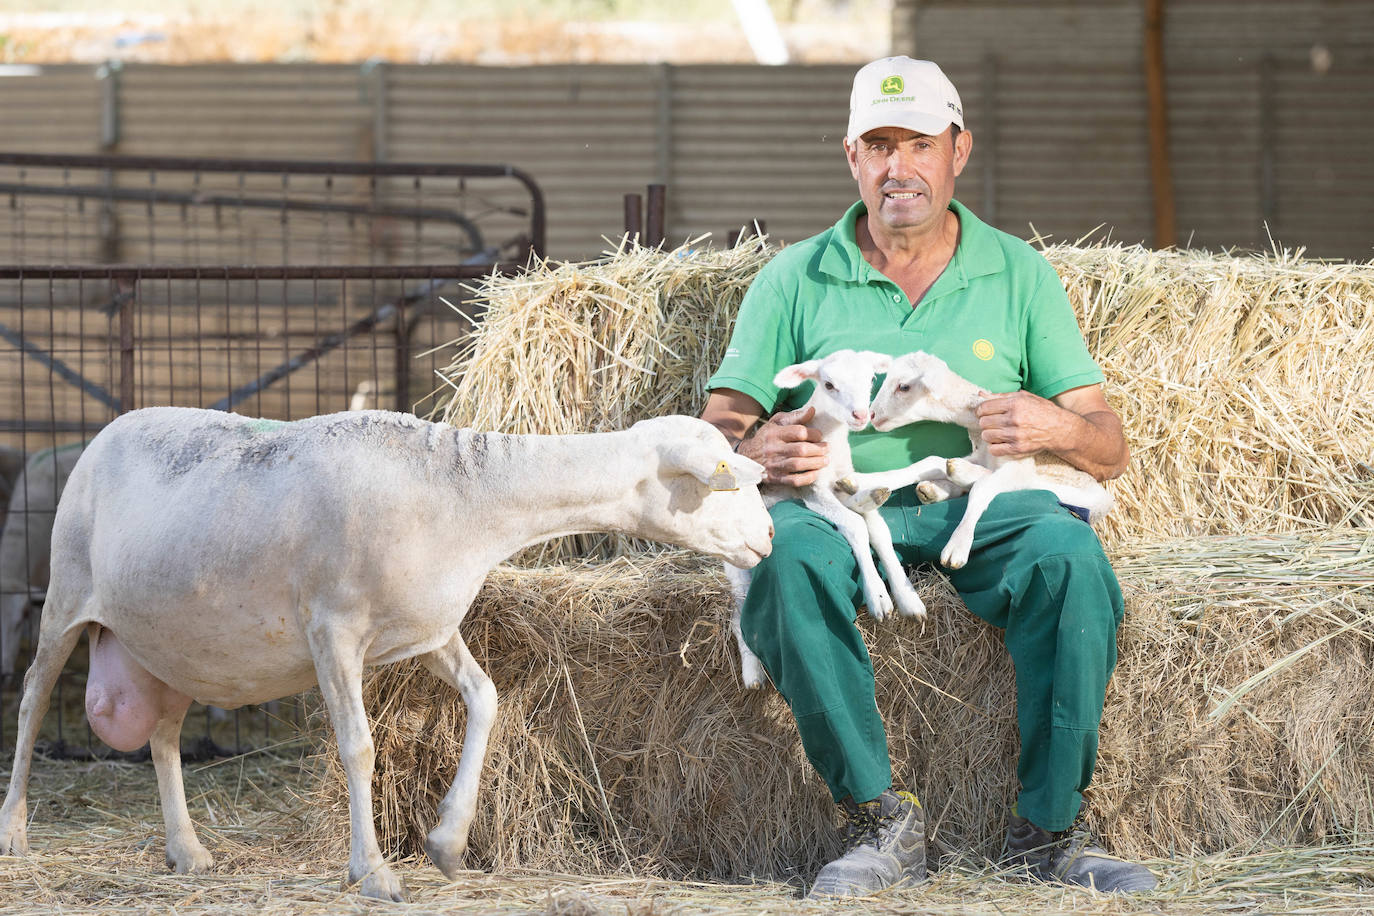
(724, 478)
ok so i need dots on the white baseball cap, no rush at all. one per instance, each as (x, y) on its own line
(901, 92)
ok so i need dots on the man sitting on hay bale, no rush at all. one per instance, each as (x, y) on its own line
(909, 268)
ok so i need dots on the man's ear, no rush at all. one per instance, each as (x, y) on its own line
(963, 148)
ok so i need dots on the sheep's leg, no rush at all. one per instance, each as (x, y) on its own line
(340, 672)
(909, 603)
(454, 665)
(751, 669)
(185, 854)
(854, 530)
(1004, 479)
(51, 654)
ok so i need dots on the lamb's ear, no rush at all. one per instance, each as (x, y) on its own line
(880, 362)
(797, 373)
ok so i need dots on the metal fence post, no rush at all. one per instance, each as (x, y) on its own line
(126, 346)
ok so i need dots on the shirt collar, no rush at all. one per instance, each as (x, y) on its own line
(977, 255)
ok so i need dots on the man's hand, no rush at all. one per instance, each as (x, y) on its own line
(790, 451)
(1022, 423)
(1078, 426)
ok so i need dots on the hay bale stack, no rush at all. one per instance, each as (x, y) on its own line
(1246, 386)
(1239, 713)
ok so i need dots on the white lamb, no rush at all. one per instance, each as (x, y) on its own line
(919, 387)
(235, 561)
(844, 383)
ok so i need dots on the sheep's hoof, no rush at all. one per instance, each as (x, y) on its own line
(848, 485)
(381, 884)
(189, 859)
(445, 856)
(881, 495)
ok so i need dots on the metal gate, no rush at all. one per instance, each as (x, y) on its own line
(279, 289)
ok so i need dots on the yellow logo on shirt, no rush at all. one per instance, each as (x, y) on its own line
(982, 348)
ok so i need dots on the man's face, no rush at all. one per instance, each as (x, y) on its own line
(906, 179)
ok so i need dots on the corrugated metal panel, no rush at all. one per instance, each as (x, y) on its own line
(1071, 147)
(1324, 174)
(1053, 92)
(56, 110)
(289, 111)
(588, 135)
(1083, 32)
(1072, 157)
(1214, 125)
(1212, 33)
(759, 143)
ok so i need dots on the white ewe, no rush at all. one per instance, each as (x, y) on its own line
(235, 561)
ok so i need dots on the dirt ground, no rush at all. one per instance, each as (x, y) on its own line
(97, 846)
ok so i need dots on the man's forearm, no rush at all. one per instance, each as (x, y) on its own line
(1095, 444)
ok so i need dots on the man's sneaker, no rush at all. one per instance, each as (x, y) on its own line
(1069, 857)
(884, 845)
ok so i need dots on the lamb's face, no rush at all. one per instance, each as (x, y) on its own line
(844, 384)
(702, 495)
(847, 386)
(909, 393)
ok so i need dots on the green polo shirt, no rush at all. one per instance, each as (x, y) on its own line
(997, 315)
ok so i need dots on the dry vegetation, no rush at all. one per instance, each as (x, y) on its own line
(97, 837)
(1239, 737)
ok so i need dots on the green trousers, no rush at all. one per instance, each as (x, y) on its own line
(1035, 570)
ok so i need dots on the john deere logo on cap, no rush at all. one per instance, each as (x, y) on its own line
(982, 348)
(893, 85)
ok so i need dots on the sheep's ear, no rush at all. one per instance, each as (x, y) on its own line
(747, 471)
(708, 465)
(795, 374)
(734, 472)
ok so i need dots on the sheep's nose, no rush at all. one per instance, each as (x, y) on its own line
(861, 416)
(770, 532)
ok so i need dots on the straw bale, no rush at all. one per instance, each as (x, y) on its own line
(624, 739)
(1245, 385)
(1239, 716)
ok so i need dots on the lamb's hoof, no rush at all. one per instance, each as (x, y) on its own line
(752, 675)
(380, 884)
(912, 607)
(847, 485)
(951, 559)
(190, 859)
(881, 495)
(880, 610)
(447, 856)
(926, 493)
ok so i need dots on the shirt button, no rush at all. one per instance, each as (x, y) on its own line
(896, 297)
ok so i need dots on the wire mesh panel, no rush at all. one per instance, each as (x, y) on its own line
(281, 294)
(162, 210)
